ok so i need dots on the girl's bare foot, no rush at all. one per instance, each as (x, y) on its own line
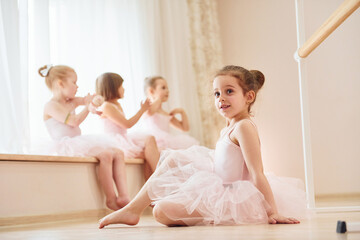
(122, 201)
(111, 203)
(124, 216)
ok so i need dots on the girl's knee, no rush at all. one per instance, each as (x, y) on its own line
(105, 156)
(150, 140)
(118, 154)
(161, 211)
(159, 214)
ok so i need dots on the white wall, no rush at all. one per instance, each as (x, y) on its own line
(334, 85)
(261, 34)
(34, 188)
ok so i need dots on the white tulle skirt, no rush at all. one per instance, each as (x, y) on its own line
(79, 146)
(186, 179)
(167, 140)
(132, 144)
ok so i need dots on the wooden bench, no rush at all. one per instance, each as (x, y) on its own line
(41, 188)
(50, 158)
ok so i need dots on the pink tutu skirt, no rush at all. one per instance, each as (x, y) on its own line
(166, 140)
(158, 125)
(187, 179)
(132, 144)
(80, 146)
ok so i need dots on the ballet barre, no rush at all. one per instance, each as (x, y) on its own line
(338, 17)
(303, 50)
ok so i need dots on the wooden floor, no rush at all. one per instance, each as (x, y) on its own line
(320, 226)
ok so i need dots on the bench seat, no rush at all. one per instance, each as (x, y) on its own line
(41, 188)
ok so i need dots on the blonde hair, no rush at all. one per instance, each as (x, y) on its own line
(55, 72)
(150, 82)
(107, 85)
(251, 80)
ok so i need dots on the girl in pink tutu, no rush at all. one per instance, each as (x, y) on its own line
(228, 186)
(157, 120)
(63, 123)
(110, 87)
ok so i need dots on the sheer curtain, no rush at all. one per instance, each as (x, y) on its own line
(165, 26)
(91, 36)
(13, 76)
(133, 38)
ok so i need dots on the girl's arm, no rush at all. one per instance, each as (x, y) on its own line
(60, 113)
(183, 124)
(110, 111)
(245, 134)
(155, 106)
(83, 100)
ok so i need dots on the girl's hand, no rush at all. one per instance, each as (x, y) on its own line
(93, 109)
(97, 101)
(176, 111)
(88, 98)
(278, 219)
(145, 105)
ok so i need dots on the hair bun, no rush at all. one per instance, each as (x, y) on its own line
(258, 77)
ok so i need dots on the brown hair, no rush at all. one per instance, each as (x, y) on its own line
(150, 82)
(248, 80)
(55, 72)
(107, 85)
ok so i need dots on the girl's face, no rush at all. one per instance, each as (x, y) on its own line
(69, 86)
(229, 98)
(161, 90)
(121, 91)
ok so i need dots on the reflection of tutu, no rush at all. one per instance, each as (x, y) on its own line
(158, 125)
(67, 141)
(83, 145)
(187, 178)
(132, 144)
(166, 140)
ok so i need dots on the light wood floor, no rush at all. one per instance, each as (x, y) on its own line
(320, 226)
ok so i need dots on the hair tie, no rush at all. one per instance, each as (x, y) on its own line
(45, 71)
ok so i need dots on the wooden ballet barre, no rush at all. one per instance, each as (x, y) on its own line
(339, 16)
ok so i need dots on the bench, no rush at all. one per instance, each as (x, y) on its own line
(41, 188)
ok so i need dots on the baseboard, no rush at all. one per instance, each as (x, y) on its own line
(60, 217)
(78, 215)
(337, 196)
(340, 202)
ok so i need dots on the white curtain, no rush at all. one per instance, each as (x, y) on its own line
(133, 38)
(13, 76)
(165, 28)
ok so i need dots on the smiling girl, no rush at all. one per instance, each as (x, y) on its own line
(197, 186)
